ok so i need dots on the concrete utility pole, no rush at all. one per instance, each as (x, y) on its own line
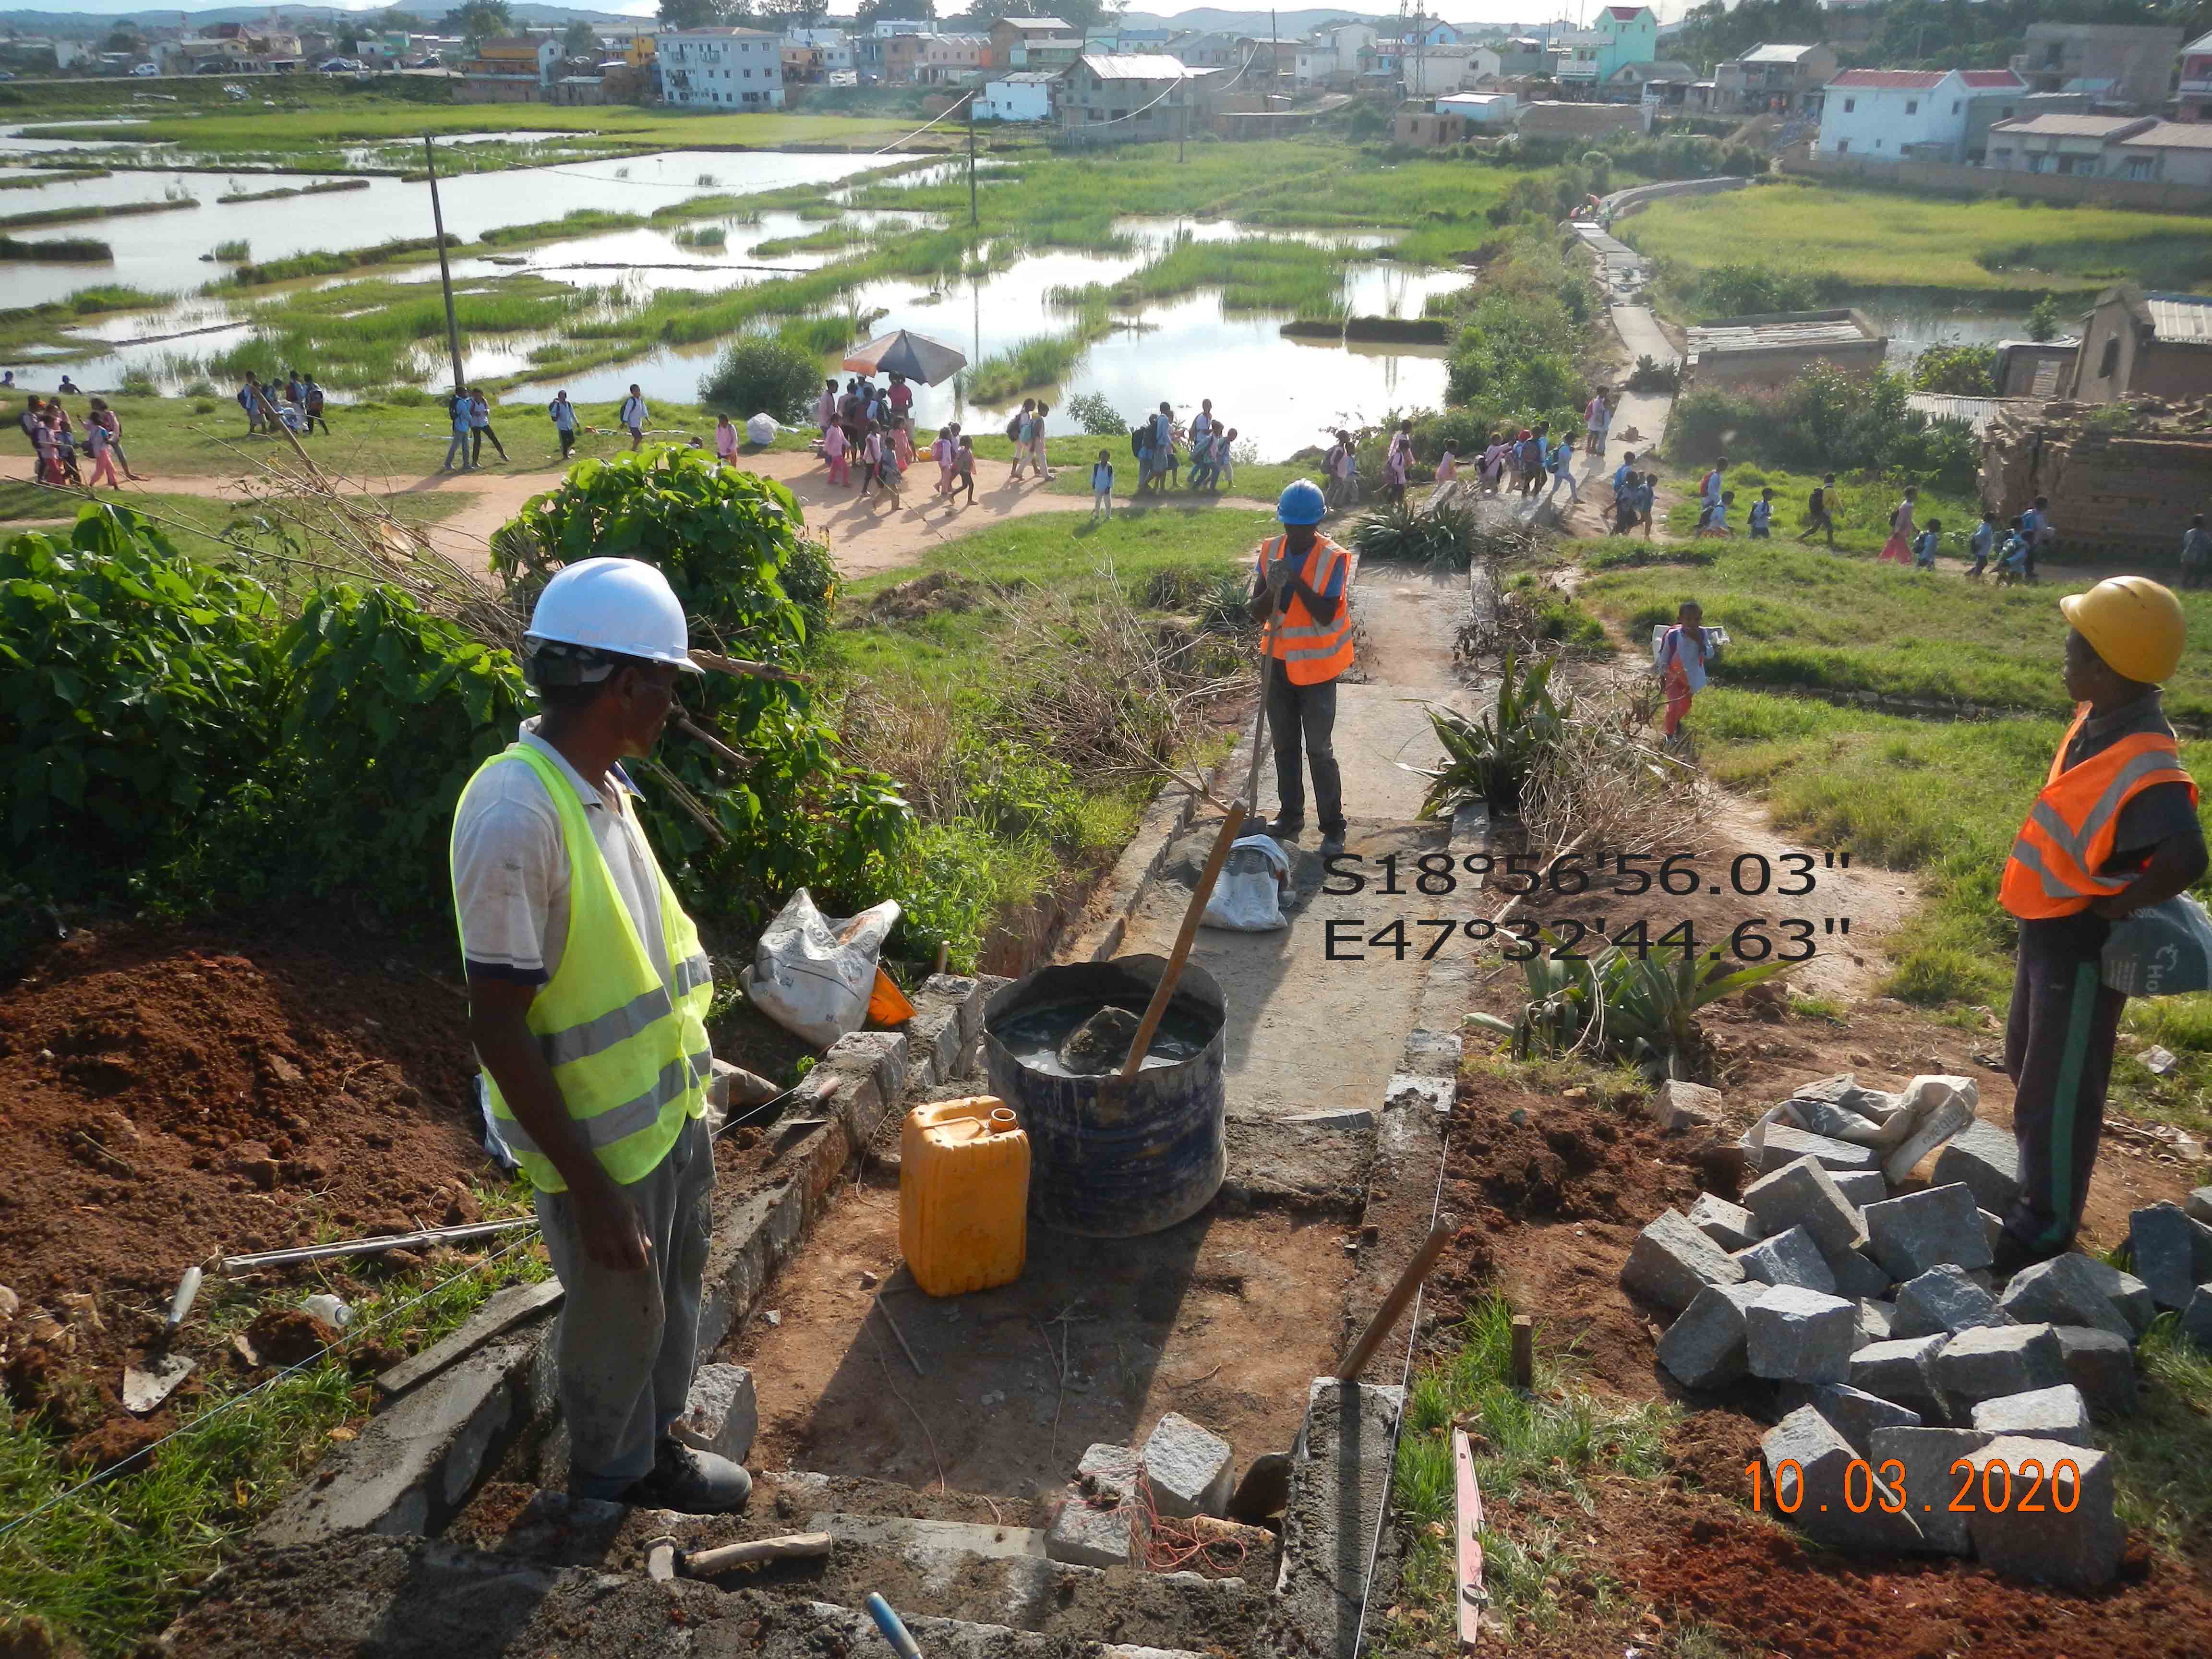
(972, 219)
(445, 272)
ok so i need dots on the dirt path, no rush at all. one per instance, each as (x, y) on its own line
(866, 536)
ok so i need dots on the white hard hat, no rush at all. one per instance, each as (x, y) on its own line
(624, 606)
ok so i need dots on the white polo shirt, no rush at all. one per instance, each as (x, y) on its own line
(511, 872)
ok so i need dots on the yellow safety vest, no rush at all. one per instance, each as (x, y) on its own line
(631, 1060)
(1311, 651)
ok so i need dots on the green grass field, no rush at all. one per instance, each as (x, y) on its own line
(1861, 507)
(1802, 617)
(1881, 240)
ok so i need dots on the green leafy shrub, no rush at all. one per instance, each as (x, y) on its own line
(1824, 420)
(1957, 371)
(1743, 289)
(760, 373)
(387, 712)
(2045, 320)
(1650, 374)
(1095, 414)
(133, 692)
(138, 383)
(797, 815)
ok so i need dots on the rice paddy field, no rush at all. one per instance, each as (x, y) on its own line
(1877, 240)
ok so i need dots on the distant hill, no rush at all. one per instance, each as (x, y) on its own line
(74, 24)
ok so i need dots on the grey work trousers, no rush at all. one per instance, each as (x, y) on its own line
(628, 1341)
(1303, 717)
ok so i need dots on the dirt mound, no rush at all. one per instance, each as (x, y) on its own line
(923, 597)
(170, 1094)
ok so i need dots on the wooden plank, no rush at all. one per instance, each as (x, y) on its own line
(1524, 1351)
(1467, 1530)
(505, 1310)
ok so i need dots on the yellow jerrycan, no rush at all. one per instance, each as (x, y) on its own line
(964, 1196)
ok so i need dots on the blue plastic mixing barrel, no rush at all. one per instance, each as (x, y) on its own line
(1110, 1159)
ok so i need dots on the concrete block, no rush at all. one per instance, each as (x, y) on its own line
(1927, 1228)
(932, 1034)
(1188, 1468)
(1109, 1472)
(2198, 1206)
(1944, 1300)
(1860, 1188)
(1407, 1088)
(1089, 1535)
(1815, 1486)
(721, 1415)
(2172, 1253)
(1842, 1094)
(1798, 1335)
(1671, 1261)
(1857, 1278)
(1430, 1052)
(2102, 1366)
(1728, 1225)
(867, 1071)
(1704, 1348)
(965, 993)
(1784, 1145)
(1676, 1106)
(1903, 1371)
(414, 1464)
(1990, 1361)
(1803, 1194)
(1340, 1490)
(1985, 1160)
(2124, 1292)
(2059, 1413)
(2196, 1319)
(1852, 1413)
(1877, 1322)
(2074, 1539)
(1948, 1104)
(2064, 1290)
(1790, 1258)
(1927, 1455)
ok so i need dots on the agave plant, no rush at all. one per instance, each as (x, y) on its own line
(1490, 756)
(1444, 534)
(1634, 1007)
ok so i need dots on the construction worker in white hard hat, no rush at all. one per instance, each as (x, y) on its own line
(587, 1001)
(2114, 828)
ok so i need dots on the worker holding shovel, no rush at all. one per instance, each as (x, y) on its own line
(588, 992)
(2113, 831)
(1300, 590)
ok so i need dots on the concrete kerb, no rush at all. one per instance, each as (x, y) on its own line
(415, 1464)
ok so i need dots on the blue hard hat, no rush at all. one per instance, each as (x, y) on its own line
(1301, 503)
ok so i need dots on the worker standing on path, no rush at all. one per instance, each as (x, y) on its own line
(2115, 829)
(587, 999)
(1302, 581)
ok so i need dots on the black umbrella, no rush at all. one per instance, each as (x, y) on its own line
(916, 356)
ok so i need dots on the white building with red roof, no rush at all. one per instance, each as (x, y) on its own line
(1914, 115)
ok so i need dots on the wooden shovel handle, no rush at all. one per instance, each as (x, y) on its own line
(1157, 1008)
(1395, 1303)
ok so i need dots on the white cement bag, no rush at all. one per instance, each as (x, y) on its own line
(811, 973)
(1247, 895)
(761, 428)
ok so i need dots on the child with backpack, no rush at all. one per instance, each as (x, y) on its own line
(1982, 543)
(1101, 485)
(1925, 545)
(963, 468)
(1762, 516)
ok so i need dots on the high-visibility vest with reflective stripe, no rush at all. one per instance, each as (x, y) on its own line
(631, 1054)
(1311, 651)
(2068, 835)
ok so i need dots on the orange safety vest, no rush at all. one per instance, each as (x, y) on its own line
(2070, 829)
(1311, 651)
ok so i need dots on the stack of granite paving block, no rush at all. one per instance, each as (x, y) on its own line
(1924, 1405)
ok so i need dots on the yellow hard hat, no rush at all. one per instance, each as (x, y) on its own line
(2133, 622)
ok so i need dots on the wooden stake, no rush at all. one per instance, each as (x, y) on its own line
(901, 1335)
(1524, 1351)
(1157, 1009)
(1467, 1539)
(791, 1546)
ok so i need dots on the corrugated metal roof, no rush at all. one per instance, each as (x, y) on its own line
(2184, 319)
(1810, 332)
(2174, 134)
(1901, 80)
(1138, 66)
(2072, 126)
(2000, 79)
(1775, 54)
(1975, 411)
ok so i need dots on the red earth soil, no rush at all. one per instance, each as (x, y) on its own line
(1549, 1205)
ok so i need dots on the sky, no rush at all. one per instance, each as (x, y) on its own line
(1482, 12)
